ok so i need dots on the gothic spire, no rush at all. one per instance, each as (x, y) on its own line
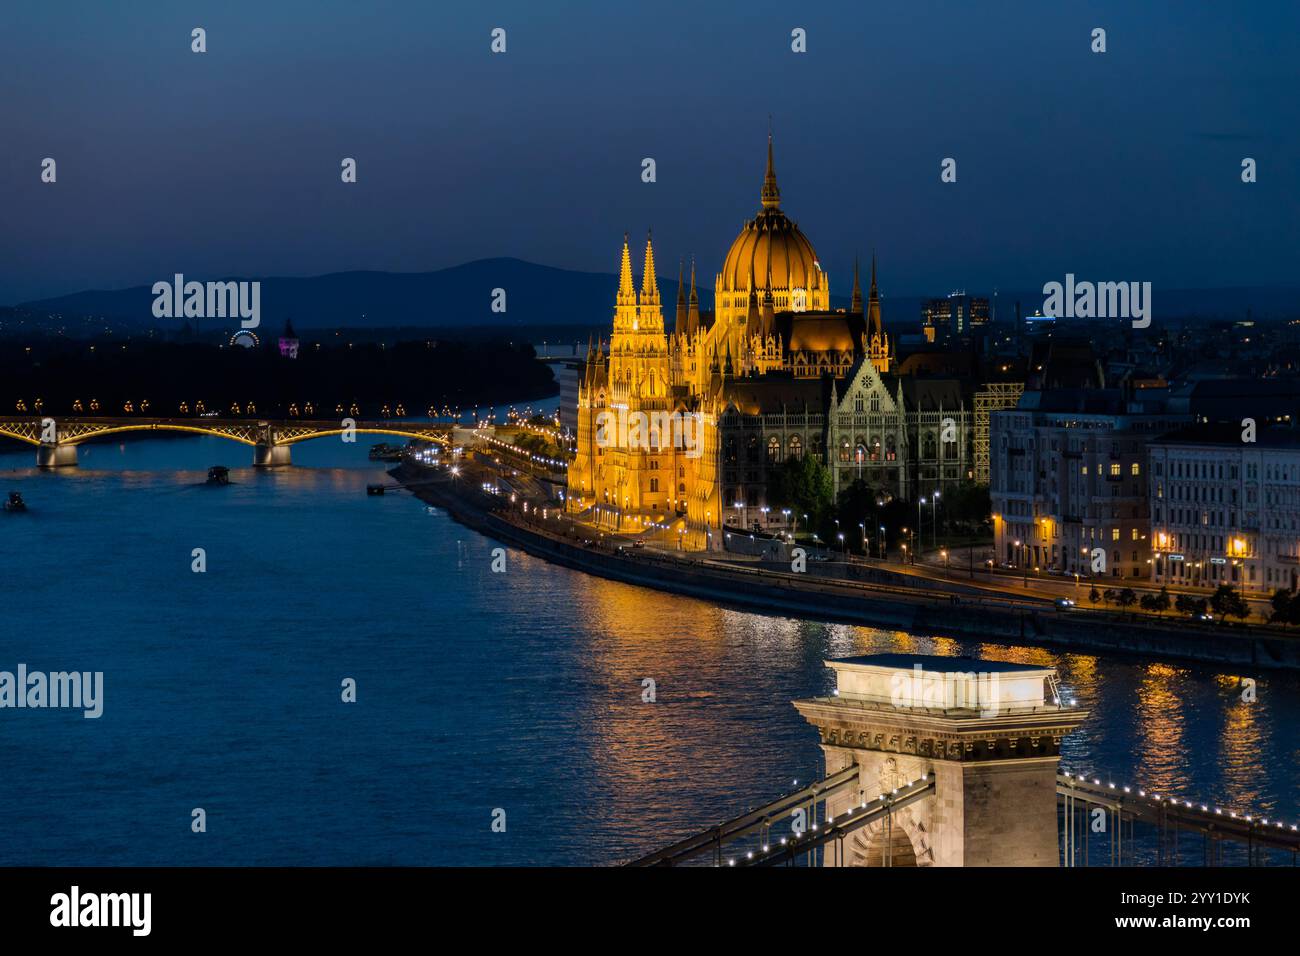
(857, 289)
(626, 292)
(649, 284)
(680, 325)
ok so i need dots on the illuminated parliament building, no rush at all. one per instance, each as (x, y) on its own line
(774, 372)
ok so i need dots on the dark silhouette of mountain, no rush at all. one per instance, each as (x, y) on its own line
(537, 295)
(459, 296)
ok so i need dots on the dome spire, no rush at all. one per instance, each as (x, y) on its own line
(770, 195)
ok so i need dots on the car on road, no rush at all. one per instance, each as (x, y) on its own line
(1064, 604)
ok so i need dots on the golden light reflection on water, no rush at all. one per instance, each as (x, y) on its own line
(722, 733)
(1239, 750)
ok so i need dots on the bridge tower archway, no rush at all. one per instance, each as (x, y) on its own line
(988, 733)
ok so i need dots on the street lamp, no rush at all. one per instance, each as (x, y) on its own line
(919, 501)
(882, 542)
(863, 528)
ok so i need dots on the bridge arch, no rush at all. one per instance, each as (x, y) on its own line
(270, 439)
(898, 841)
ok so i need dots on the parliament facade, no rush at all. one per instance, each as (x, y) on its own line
(773, 373)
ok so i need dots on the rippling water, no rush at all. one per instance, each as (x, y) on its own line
(476, 690)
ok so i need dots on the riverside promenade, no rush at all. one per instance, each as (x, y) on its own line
(923, 607)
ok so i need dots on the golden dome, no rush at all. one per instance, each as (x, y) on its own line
(770, 241)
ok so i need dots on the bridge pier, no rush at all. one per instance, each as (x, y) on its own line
(266, 455)
(987, 733)
(56, 456)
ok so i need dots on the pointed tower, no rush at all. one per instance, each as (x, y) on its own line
(770, 195)
(679, 325)
(879, 351)
(753, 317)
(856, 306)
(767, 318)
(693, 305)
(649, 281)
(625, 300)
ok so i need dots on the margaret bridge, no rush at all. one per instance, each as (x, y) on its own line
(56, 439)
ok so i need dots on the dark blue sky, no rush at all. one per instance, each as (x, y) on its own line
(1121, 166)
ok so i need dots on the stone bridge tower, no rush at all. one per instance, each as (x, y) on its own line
(988, 733)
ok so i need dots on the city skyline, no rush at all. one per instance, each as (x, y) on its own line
(1126, 165)
(573, 436)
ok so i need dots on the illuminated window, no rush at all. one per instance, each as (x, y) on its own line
(1114, 469)
(1114, 534)
(1135, 470)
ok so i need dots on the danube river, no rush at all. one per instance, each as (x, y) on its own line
(475, 691)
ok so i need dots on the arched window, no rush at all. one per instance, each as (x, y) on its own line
(753, 448)
(929, 452)
(891, 448)
(796, 447)
(844, 449)
(874, 448)
(731, 451)
(773, 449)
(859, 452)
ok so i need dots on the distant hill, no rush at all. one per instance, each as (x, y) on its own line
(458, 296)
(538, 295)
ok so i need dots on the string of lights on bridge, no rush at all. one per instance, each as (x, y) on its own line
(1186, 804)
(884, 798)
(846, 816)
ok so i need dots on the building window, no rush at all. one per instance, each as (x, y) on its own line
(774, 449)
(1135, 469)
(796, 447)
(1114, 536)
(1114, 469)
(654, 485)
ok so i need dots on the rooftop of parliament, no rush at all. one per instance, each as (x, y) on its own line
(774, 372)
